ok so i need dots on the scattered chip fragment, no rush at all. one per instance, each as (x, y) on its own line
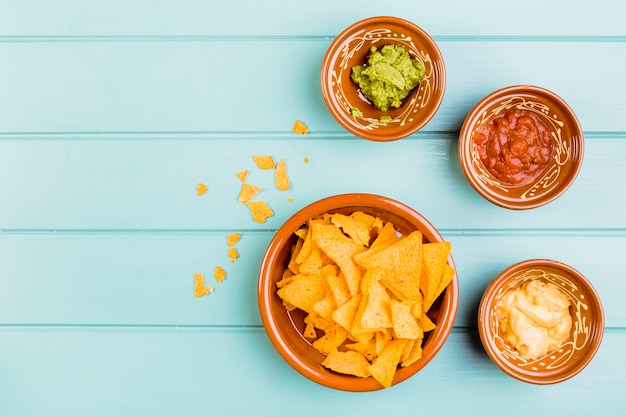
(260, 211)
(243, 175)
(233, 238)
(201, 188)
(233, 254)
(199, 287)
(264, 161)
(300, 128)
(219, 274)
(280, 175)
(248, 192)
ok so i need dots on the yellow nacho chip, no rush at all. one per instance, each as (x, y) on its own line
(344, 314)
(233, 254)
(219, 273)
(350, 363)
(411, 355)
(359, 299)
(435, 258)
(377, 313)
(304, 291)
(247, 192)
(300, 128)
(233, 238)
(201, 188)
(260, 211)
(341, 250)
(384, 366)
(280, 176)
(264, 161)
(405, 326)
(243, 175)
(199, 287)
(357, 229)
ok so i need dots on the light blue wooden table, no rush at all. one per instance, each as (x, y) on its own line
(111, 112)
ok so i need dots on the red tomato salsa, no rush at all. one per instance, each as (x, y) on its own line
(515, 146)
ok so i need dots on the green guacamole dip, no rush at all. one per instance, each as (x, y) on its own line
(388, 77)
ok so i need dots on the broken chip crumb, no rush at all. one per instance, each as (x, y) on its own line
(306, 160)
(264, 161)
(219, 274)
(290, 199)
(233, 255)
(300, 128)
(201, 188)
(247, 192)
(242, 175)
(260, 210)
(199, 287)
(233, 238)
(280, 176)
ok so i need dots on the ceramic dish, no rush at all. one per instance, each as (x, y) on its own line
(566, 138)
(285, 329)
(350, 48)
(585, 336)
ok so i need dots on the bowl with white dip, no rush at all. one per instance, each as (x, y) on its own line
(541, 321)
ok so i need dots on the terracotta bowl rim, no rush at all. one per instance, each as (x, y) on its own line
(380, 135)
(276, 334)
(465, 138)
(539, 378)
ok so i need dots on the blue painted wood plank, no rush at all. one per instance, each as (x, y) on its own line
(231, 86)
(164, 372)
(150, 184)
(147, 278)
(288, 18)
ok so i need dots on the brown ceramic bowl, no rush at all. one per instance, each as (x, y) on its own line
(585, 336)
(561, 168)
(285, 329)
(350, 48)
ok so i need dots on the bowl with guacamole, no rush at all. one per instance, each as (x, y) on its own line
(383, 78)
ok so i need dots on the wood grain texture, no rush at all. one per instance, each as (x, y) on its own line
(112, 112)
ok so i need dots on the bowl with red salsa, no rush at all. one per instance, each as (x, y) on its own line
(521, 147)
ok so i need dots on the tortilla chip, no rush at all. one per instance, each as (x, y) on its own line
(333, 338)
(398, 266)
(344, 314)
(201, 188)
(247, 192)
(413, 354)
(233, 255)
(435, 258)
(381, 339)
(219, 273)
(405, 326)
(326, 306)
(199, 287)
(233, 238)
(426, 323)
(339, 288)
(243, 175)
(359, 231)
(309, 331)
(377, 313)
(384, 366)
(264, 161)
(304, 291)
(300, 128)
(341, 250)
(293, 265)
(350, 362)
(260, 211)
(280, 176)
